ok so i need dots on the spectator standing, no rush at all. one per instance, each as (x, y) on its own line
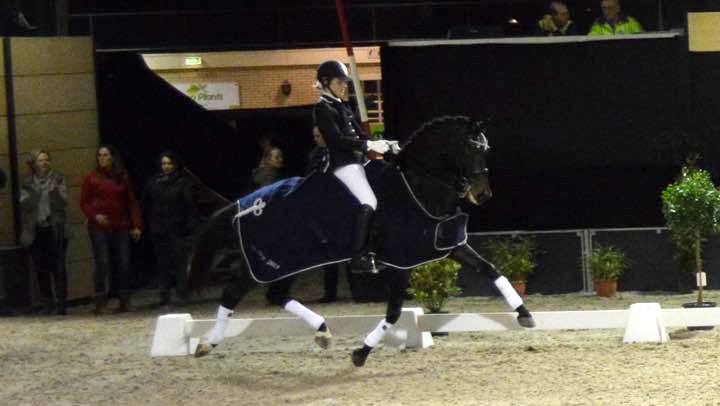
(172, 217)
(270, 167)
(43, 202)
(557, 21)
(614, 21)
(113, 217)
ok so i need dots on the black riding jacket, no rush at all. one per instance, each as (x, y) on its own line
(340, 130)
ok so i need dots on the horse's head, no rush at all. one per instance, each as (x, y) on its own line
(474, 183)
(452, 150)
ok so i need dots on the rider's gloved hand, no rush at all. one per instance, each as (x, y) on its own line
(379, 146)
(394, 146)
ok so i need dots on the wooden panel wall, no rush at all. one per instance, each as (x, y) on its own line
(56, 110)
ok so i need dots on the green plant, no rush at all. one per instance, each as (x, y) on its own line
(432, 284)
(513, 257)
(691, 207)
(607, 263)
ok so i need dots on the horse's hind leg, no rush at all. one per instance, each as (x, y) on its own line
(232, 294)
(396, 282)
(278, 293)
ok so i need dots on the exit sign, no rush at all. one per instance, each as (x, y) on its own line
(193, 60)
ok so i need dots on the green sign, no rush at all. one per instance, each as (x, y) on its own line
(193, 60)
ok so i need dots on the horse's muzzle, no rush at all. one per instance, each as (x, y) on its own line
(479, 192)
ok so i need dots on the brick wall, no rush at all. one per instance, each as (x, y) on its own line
(259, 87)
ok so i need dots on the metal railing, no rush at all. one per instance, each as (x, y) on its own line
(315, 25)
(563, 262)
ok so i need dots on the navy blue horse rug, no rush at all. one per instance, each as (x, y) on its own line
(308, 223)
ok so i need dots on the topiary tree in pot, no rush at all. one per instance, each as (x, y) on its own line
(691, 207)
(606, 265)
(434, 283)
(514, 257)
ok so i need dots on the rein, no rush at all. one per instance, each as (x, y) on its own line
(461, 185)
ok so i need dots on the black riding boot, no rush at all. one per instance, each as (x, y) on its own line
(362, 260)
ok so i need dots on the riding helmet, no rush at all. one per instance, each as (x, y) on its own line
(331, 69)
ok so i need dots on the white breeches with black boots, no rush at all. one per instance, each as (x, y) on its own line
(353, 177)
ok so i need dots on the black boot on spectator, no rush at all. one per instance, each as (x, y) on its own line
(164, 298)
(124, 303)
(100, 305)
(61, 308)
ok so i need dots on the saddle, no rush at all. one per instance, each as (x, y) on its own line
(300, 224)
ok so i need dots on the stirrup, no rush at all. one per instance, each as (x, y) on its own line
(364, 264)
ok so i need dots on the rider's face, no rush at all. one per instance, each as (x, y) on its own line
(338, 87)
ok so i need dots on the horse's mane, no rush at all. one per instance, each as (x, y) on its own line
(437, 144)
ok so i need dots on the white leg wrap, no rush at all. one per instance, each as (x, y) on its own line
(216, 335)
(308, 316)
(377, 334)
(511, 297)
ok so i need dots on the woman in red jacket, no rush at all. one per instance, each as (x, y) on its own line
(113, 217)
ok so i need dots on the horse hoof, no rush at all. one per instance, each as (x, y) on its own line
(526, 321)
(323, 339)
(358, 357)
(203, 349)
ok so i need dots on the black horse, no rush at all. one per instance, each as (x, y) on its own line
(302, 224)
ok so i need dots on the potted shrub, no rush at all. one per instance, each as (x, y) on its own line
(514, 258)
(606, 265)
(433, 283)
(691, 207)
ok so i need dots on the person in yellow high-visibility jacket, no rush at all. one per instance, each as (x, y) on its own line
(613, 21)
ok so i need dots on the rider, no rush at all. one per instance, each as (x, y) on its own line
(346, 149)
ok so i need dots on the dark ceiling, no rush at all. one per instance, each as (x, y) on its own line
(243, 24)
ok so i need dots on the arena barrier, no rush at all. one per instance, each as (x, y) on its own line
(178, 334)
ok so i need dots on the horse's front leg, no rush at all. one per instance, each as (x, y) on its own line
(468, 257)
(397, 282)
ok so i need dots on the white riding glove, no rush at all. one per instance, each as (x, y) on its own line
(394, 147)
(379, 146)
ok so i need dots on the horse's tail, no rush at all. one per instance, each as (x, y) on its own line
(215, 233)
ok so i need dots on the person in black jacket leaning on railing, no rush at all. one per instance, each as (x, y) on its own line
(557, 21)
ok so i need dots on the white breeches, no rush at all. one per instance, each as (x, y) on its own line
(353, 177)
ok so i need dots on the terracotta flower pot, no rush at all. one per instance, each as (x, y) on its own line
(519, 287)
(605, 287)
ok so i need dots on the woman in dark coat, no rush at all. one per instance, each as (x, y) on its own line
(172, 217)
